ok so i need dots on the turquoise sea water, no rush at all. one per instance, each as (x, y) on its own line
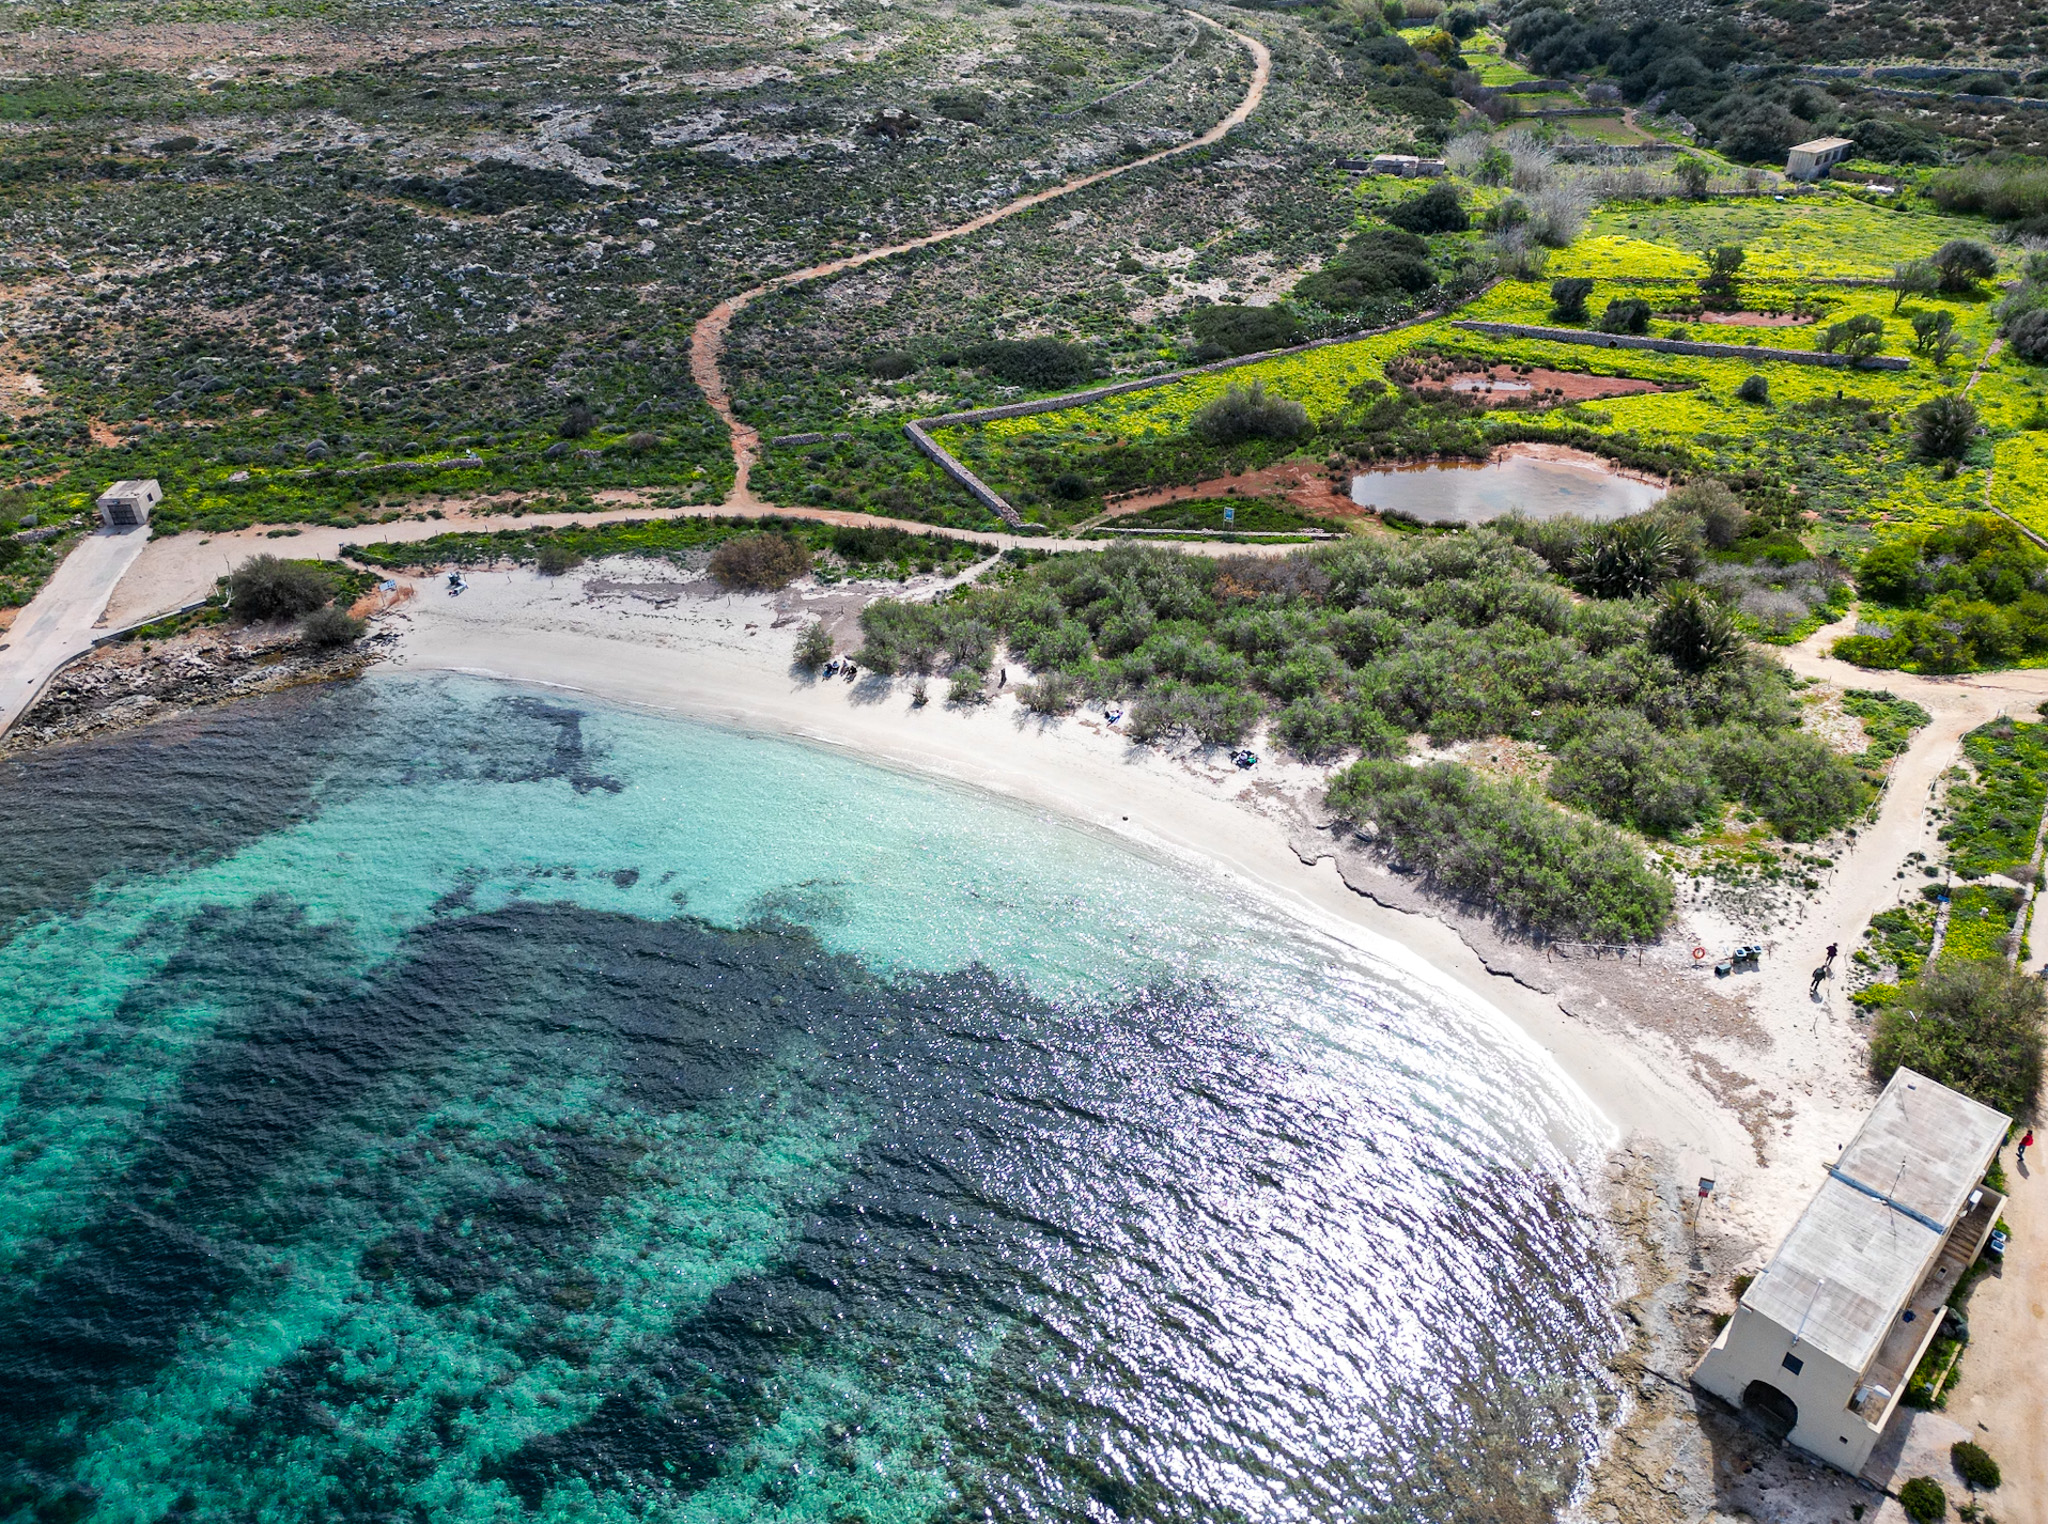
(425, 1099)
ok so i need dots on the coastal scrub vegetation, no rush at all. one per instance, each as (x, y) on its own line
(1502, 845)
(1656, 719)
(1968, 595)
(760, 563)
(1969, 1022)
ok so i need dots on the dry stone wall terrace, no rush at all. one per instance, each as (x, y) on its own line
(1754, 352)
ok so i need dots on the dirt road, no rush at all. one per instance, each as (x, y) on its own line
(707, 340)
(2003, 1393)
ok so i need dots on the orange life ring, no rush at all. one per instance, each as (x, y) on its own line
(1698, 953)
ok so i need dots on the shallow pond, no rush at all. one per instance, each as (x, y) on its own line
(1446, 493)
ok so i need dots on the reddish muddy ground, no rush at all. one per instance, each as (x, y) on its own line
(1502, 383)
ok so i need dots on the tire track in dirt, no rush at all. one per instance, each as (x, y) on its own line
(707, 339)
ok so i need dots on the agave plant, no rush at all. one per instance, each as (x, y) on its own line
(1631, 559)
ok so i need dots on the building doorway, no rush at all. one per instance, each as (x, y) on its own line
(1770, 1409)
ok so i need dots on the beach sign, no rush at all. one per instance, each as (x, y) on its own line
(1229, 514)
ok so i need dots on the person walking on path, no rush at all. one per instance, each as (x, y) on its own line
(1830, 964)
(1813, 990)
(2026, 1143)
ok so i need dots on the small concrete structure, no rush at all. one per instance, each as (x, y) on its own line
(1406, 165)
(126, 504)
(1812, 161)
(1824, 1341)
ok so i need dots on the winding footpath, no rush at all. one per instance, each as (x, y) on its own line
(707, 339)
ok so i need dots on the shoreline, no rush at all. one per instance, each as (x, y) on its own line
(731, 667)
(1673, 1074)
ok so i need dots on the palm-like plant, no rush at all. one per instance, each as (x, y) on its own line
(1695, 630)
(1631, 559)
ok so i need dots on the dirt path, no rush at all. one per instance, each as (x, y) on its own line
(707, 340)
(2003, 1394)
(61, 620)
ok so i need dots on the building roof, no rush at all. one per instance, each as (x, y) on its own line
(1866, 1240)
(132, 486)
(1822, 145)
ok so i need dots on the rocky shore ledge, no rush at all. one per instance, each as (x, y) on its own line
(133, 683)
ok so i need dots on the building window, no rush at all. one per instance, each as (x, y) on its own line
(1794, 1364)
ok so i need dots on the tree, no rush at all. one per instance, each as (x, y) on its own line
(1754, 388)
(577, 419)
(1695, 630)
(1944, 426)
(1962, 262)
(1437, 210)
(1568, 298)
(813, 646)
(1972, 1024)
(1719, 288)
(1858, 337)
(1241, 414)
(265, 587)
(1693, 177)
(1916, 277)
(1928, 324)
(1627, 314)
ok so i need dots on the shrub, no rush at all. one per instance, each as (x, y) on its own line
(1923, 1500)
(1695, 630)
(1972, 1024)
(1962, 262)
(577, 419)
(759, 563)
(1377, 265)
(1233, 330)
(265, 587)
(2027, 335)
(1693, 177)
(1503, 847)
(1628, 314)
(1437, 210)
(1038, 363)
(1241, 414)
(1858, 337)
(1944, 426)
(1622, 770)
(1052, 693)
(1568, 298)
(553, 558)
(962, 105)
(1314, 728)
(1790, 778)
(890, 364)
(1974, 1465)
(1071, 486)
(813, 646)
(328, 627)
(641, 442)
(1722, 518)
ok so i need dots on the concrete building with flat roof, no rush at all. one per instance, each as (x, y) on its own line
(1825, 1339)
(1812, 161)
(126, 504)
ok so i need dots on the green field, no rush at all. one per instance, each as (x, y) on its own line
(1837, 439)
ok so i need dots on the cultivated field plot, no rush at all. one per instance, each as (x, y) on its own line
(1838, 440)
